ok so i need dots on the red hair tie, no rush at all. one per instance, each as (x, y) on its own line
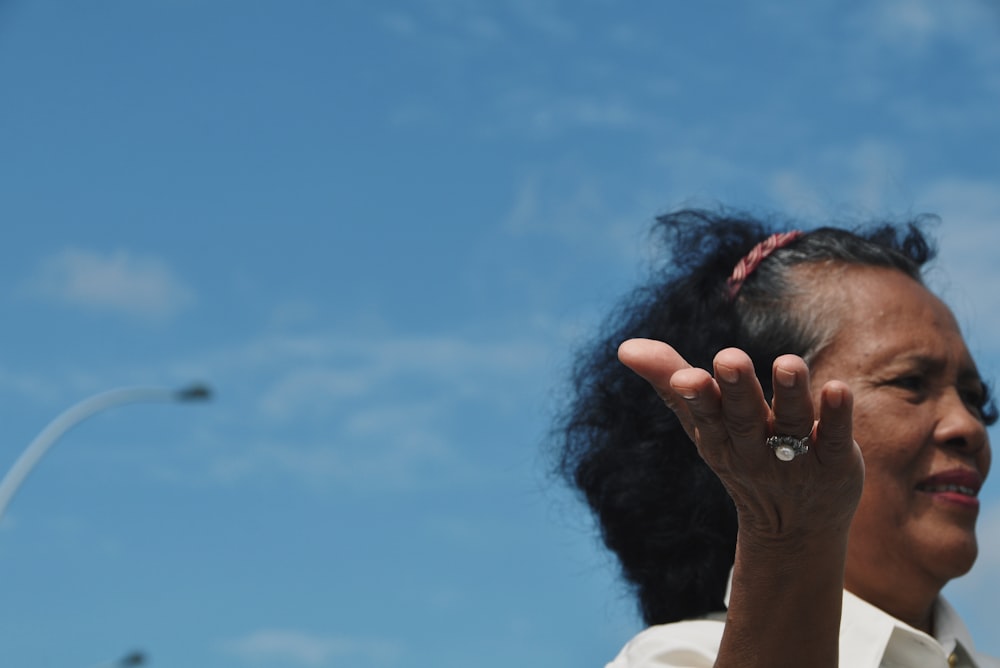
(751, 260)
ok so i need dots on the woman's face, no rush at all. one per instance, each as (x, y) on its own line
(917, 400)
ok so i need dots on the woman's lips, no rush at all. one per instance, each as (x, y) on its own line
(956, 486)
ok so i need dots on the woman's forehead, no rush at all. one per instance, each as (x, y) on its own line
(863, 290)
(874, 313)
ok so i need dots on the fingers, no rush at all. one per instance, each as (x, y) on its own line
(835, 429)
(729, 409)
(729, 421)
(703, 406)
(657, 363)
(744, 411)
(711, 415)
(653, 360)
(792, 403)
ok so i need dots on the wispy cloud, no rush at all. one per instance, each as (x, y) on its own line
(317, 371)
(118, 282)
(400, 445)
(32, 385)
(407, 459)
(953, 40)
(283, 647)
(582, 211)
(904, 22)
(383, 412)
(864, 175)
(915, 24)
(471, 23)
(547, 112)
(546, 17)
(445, 25)
(398, 23)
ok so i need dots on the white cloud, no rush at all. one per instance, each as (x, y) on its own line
(544, 17)
(797, 196)
(120, 282)
(405, 459)
(547, 113)
(312, 389)
(399, 24)
(575, 207)
(394, 445)
(33, 385)
(873, 167)
(972, 207)
(906, 21)
(469, 20)
(863, 177)
(895, 41)
(444, 24)
(852, 180)
(389, 410)
(914, 24)
(317, 372)
(284, 647)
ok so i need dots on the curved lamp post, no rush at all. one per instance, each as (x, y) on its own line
(80, 412)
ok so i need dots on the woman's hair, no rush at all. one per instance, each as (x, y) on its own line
(661, 510)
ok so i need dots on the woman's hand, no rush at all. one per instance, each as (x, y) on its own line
(794, 516)
(729, 420)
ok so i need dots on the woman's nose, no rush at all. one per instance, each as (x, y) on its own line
(960, 425)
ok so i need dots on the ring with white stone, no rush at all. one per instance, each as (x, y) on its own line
(787, 448)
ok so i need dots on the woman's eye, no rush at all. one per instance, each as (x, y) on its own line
(912, 383)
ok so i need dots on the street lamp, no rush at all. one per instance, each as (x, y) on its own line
(80, 412)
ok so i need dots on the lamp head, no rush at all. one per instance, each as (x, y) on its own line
(194, 392)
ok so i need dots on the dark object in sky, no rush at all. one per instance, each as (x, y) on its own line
(133, 659)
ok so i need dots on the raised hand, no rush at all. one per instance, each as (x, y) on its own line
(730, 421)
(794, 516)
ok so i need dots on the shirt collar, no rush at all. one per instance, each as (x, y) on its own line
(870, 637)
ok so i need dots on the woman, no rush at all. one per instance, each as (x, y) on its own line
(813, 486)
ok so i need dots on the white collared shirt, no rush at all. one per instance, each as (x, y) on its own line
(869, 638)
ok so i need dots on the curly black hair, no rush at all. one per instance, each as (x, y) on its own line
(661, 510)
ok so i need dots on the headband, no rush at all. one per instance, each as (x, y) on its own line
(749, 262)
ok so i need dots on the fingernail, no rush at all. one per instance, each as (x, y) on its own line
(728, 374)
(835, 397)
(785, 377)
(686, 392)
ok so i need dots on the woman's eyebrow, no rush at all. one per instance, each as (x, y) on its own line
(920, 361)
(934, 364)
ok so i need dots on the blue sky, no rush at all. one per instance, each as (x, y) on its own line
(378, 229)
